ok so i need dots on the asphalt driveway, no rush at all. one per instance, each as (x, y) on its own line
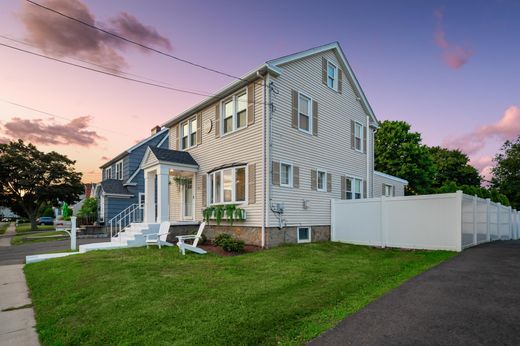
(472, 299)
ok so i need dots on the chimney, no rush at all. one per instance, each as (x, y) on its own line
(156, 129)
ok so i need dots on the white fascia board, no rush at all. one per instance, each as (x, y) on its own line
(391, 177)
(147, 140)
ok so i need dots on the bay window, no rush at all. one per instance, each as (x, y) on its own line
(227, 185)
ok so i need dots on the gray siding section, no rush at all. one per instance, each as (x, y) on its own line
(380, 180)
(330, 150)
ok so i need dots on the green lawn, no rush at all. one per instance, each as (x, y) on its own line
(26, 227)
(24, 238)
(4, 227)
(287, 295)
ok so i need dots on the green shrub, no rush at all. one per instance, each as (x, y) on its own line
(222, 238)
(228, 243)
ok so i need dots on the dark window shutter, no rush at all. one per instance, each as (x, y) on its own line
(217, 120)
(352, 132)
(178, 139)
(365, 189)
(393, 190)
(294, 117)
(314, 182)
(296, 177)
(324, 70)
(383, 190)
(203, 189)
(251, 183)
(364, 139)
(199, 128)
(343, 188)
(314, 118)
(251, 104)
(340, 81)
(329, 182)
(276, 173)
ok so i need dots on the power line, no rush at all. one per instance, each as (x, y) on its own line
(115, 75)
(134, 42)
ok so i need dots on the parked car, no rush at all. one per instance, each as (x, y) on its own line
(45, 220)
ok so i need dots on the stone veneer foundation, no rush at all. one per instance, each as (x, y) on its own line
(253, 235)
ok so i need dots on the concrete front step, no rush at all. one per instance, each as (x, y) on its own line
(133, 236)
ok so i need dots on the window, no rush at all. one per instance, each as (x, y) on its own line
(354, 188)
(332, 73)
(358, 137)
(388, 190)
(227, 185)
(303, 234)
(322, 180)
(119, 170)
(108, 173)
(285, 174)
(189, 133)
(304, 113)
(234, 113)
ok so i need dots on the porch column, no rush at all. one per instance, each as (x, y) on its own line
(149, 196)
(163, 203)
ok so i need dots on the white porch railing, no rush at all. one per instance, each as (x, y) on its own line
(132, 214)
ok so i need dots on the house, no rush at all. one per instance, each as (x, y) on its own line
(122, 183)
(279, 143)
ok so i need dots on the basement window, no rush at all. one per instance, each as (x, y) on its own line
(304, 234)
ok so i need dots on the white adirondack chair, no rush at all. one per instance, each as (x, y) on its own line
(159, 238)
(191, 247)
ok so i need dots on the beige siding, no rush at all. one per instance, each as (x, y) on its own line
(380, 180)
(243, 146)
(330, 150)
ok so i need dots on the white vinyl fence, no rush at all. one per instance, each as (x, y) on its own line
(451, 221)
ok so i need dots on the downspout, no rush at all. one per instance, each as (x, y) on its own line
(268, 143)
(264, 200)
(369, 181)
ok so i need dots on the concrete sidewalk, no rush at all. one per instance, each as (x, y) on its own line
(471, 299)
(17, 323)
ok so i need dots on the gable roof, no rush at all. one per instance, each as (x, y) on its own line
(131, 149)
(168, 156)
(273, 66)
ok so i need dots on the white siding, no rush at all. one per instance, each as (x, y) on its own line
(329, 150)
(243, 146)
(380, 180)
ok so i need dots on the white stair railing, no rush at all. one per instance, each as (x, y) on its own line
(132, 214)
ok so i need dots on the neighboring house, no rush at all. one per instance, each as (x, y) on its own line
(282, 162)
(122, 181)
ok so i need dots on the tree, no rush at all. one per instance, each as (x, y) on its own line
(506, 173)
(89, 208)
(493, 194)
(453, 166)
(30, 178)
(400, 152)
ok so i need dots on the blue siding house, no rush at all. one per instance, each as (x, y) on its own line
(122, 183)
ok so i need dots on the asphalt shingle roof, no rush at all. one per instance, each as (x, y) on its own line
(114, 186)
(173, 156)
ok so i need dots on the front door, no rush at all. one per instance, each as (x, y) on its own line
(187, 200)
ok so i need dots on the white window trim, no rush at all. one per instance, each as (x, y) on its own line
(391, 190)
(361, 187)
(362, 137)
(324, 189)
(119, 173)
(108, 172)
(298, 235)
(233, 98)
(190, 144)
(310, 113)
(233, 184)
(290, 174)
(335, 84)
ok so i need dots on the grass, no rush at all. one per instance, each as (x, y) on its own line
(4, 227)
(287, 295)
(20, 239)
(26, 227)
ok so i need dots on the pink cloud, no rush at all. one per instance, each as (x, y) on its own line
(60, 36)
(453, 55)
(105, 158)
(507, 127)
(40, 132)
(483, 164)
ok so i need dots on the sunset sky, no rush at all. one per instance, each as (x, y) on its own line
(451, 69)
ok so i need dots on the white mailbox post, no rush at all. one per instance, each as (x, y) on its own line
(73, 233)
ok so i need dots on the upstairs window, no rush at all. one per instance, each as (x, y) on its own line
(304, 113)
(189, 133)
(354, 188)
(227, 185)
(358, 137)
(286, 174)
(119, 170)
(234, 113)
(332, 74)
(108, 173)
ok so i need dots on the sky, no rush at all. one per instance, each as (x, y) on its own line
(449, 68)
